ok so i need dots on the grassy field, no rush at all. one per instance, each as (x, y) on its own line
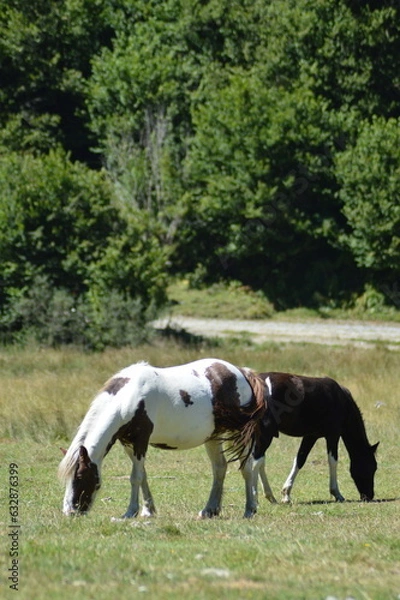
(310, 550)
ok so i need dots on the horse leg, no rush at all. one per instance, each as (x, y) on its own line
(136, 479)
(268, 430)
(306, 445)
(259, 468)
(332, 449)
(149, 509)
(250, 481)
(218, 462)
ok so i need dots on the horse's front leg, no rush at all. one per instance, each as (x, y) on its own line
(332, 449)
(218, 462)
(138, 475)
(148, 509)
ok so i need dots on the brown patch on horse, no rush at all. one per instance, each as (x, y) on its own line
(185, 397)
(229, 416)
(136, 432)
(86, 481)
(114, 385)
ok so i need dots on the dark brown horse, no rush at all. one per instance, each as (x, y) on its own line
(313, 408)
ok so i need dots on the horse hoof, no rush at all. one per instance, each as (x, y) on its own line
(147, 514)
(207, 514)
(272, 499)
(249, 514)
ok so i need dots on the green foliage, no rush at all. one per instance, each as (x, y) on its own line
(54, 317)
(55, 216)
(229, 301)
(143, 139)
(369, 172)
(66, 248)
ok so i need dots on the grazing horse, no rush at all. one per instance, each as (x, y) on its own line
(207, 402)
(312, 408)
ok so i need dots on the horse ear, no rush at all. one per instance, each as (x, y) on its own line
(63, 450)
(375, 447)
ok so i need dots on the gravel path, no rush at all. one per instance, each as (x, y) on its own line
(357, 333)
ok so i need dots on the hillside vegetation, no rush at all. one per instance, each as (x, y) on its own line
(256, 142)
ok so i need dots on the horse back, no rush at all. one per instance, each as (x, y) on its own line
(298, 405)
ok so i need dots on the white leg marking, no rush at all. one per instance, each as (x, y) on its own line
(287, 486)
(219, 466)
(333, 483)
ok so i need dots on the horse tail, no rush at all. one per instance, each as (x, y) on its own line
(247, 419)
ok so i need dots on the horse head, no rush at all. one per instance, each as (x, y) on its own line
(362, 470)
(83, 486)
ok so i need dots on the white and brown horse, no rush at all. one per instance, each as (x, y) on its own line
(313, 408)
(203, 402)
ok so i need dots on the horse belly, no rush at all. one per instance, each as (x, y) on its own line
(182, 427)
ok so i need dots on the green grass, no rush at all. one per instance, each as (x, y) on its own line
(231, 301)
(311, 550)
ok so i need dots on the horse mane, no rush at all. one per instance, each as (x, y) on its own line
(353, 418)
(68, 463)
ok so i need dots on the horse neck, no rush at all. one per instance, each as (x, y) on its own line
(98, 428)
(353, 433)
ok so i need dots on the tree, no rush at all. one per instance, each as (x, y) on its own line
(58, 220)
(369, 175)
(45, 55)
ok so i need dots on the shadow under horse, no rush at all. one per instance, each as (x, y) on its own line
(313, 408)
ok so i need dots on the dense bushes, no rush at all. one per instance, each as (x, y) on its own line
(73, 267)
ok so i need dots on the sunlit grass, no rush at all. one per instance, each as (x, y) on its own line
(312, 549)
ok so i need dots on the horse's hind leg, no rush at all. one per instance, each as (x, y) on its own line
(259, 468)
(218, 462)
(332, 449)
(250, 481)
(306, 445)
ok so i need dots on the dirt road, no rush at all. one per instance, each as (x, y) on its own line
(357, 333)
